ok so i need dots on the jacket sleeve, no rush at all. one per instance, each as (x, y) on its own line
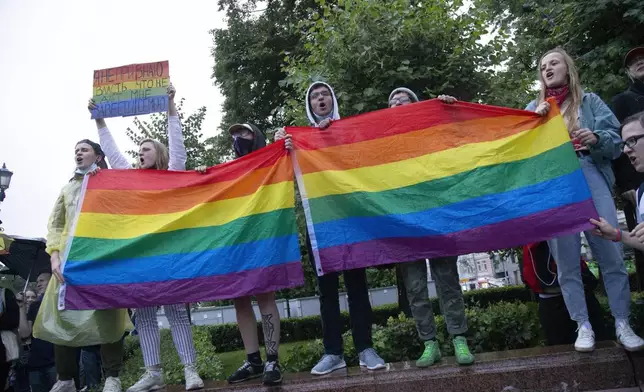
(10, 318)
(606, 127)
(112, 152)
(56, 225)
(176, 146)
(620, 107)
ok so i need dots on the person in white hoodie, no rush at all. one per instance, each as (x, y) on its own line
(321, 110)
(154, 155)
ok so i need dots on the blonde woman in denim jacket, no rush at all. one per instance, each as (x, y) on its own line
(594, 132)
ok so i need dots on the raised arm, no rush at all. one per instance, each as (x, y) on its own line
(114, 156)
(176, 147)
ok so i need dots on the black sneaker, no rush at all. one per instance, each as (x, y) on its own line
(272, 373)
(247, 371)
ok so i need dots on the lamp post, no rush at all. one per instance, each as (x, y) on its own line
(5, 180)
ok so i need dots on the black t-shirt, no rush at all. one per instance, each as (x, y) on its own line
(626, 104)
(42, 352)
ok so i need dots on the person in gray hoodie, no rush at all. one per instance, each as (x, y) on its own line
(321, 110)
(445, 273)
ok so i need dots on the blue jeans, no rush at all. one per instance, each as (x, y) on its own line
(43, 379)
(566, 251)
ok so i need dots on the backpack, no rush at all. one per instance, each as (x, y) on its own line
(539, 270)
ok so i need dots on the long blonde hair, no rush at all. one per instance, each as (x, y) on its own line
(570, 114)
(163, 157)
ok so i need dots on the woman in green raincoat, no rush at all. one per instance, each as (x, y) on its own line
(69, 330)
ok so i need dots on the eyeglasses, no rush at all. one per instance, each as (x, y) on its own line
(399, 101)
(241, 133)
(319, 94)
(631, 141)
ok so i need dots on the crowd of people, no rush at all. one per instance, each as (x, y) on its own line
(607, 148)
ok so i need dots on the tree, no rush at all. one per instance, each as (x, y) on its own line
(596, 34)
(249, 54)
(209, 152)
(365, 48)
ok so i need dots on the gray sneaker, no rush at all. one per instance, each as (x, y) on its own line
(370, 359)
(328, 363)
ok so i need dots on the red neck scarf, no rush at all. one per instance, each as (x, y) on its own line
(558, 93)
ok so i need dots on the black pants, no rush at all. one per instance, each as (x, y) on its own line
(559, 328)
(359, 308)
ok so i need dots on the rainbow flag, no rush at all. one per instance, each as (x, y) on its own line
(131, 90)
(151, 237)
(432, 179)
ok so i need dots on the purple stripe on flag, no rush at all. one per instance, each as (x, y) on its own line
(209, 288)
(572, 218)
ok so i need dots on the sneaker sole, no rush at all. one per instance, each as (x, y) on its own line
(336, 367)
(154, 388)
(273, 383)
(585, 349)
(246, 379)
(631, 349)
(194, 388)
(377, 367)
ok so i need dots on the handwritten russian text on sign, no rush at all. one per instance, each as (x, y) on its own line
(131, 90)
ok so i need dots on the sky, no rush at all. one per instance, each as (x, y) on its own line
(48, 52)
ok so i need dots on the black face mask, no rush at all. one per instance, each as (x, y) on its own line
(243, 146)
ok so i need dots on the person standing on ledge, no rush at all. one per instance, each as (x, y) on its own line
(321, 110)
(445, 273)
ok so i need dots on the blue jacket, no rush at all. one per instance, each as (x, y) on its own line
(595, 115)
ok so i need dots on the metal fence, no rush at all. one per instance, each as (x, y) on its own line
(299, 307)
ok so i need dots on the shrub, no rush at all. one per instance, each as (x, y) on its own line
(303, 356)
(208, 364)
(226, 337)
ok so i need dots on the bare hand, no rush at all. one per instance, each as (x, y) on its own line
(171, 92)
(325, 123)
(604, 229)
(55, 267)
(201, 169)
(288, 142)
(543, 108)
(447, 98)
(281, 134)
(91, 105)
(93, 172)
(638, 233)
(585, 137)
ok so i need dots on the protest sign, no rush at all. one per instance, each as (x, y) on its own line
(131, 90)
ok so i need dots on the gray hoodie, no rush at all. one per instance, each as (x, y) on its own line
(313, 118)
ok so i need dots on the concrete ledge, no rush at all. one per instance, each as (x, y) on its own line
(540, 369)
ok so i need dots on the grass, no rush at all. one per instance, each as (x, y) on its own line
(233, 359)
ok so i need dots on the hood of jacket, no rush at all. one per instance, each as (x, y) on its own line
(313, 118)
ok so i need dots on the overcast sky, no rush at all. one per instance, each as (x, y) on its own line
(48, 50)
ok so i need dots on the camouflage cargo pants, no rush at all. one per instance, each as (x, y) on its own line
(450, 296)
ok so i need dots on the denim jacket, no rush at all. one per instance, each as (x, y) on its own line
(595, 115)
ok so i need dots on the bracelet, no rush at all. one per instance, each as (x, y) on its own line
(618, 237)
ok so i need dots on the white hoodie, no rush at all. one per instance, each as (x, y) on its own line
(335, 113)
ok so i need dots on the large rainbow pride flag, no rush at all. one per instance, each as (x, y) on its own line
(148, 237)
(432, 179)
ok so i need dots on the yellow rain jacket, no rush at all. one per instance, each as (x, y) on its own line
(75, 328)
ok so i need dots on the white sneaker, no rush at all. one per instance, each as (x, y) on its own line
(585, 339)
(151, 380)
(64, 386)
(193, 381)
(112, 384)
(627, 338)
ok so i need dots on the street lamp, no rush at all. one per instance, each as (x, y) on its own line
(5, 180)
